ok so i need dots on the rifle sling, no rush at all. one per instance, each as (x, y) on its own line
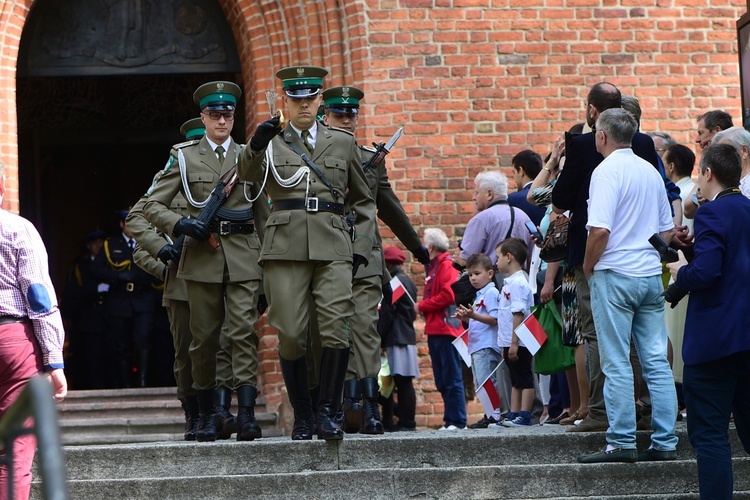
(315, 169)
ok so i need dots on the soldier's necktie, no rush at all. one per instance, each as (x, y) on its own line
(220, 153)
(306, 140)
(131, 244)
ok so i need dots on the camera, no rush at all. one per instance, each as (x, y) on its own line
(667, 253)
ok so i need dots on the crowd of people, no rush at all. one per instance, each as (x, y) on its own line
(286, 226)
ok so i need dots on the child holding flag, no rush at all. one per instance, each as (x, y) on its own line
(516, 299)
(398, 338)
(483, 348)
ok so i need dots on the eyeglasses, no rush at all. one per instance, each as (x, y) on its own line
(216, 115)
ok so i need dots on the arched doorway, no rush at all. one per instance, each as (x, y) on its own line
(103, 87)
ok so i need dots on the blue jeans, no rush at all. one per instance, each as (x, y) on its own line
(625, 306)
(713, 390)
(446, 366)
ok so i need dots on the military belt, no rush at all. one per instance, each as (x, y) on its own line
(310, 205)
(134, 287)
(225, 227)
(6, 320)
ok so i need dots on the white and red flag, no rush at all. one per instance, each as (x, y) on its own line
(398, 290)
(487, 394)
(461, 343)
(531, 333)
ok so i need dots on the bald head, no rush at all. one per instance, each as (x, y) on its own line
(601, 97)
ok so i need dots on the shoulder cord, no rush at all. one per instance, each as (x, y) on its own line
(244, 183)
(185, 185)
(292, 181)
(120, 266)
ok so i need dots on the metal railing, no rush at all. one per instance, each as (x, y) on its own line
(36, 401)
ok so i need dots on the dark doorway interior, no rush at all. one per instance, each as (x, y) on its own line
(90, 146)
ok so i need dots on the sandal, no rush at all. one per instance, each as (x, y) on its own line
(571, 419)
(558, 418)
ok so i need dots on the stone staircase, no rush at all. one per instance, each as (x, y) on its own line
(535, 462)
(133, 416)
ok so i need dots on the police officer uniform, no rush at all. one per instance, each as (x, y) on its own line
(364, 362)
(218, 279)
(129, 308)
(308, 249)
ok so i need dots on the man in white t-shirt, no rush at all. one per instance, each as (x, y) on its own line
(627, 205)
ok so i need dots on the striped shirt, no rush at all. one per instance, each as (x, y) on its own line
(26, 288)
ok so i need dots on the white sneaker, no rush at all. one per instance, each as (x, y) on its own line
(450, 428)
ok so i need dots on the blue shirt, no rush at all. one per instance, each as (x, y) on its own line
(482, 335)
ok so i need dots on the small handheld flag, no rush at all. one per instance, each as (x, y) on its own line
(531, 333)
(461, 343)
(487, 394)
(398, 290)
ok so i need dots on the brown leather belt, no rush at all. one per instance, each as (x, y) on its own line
(310, 205)
(6, 320)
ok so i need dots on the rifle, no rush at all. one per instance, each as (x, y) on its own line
(381, 149)
(216, 199)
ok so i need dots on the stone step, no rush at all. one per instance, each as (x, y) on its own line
(640, 480)
(534, 462)
(134, 395)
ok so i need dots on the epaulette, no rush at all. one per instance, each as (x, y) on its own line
(186, 144)
(368, 149)
(340, 130)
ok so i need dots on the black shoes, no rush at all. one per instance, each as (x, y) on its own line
(247, 428)
(614, 455)
(351, 408)
(295, 379)
(190, 405)
(371, 423)
(226, 423)
(332, 373)
(206, 429)
(652, 455)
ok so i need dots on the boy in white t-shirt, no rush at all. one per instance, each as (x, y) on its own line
(482, 318)
(516, 299)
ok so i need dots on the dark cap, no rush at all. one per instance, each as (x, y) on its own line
(217, 96)
(302, 81)
(342, 99)
(94, 234)
(123, 214)
(394, 255)
(193, 128)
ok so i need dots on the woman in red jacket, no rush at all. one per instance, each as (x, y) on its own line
(442, 328)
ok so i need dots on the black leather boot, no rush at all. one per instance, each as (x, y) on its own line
(247, 428)
(371, 423)
(190, 405)
(226, 424)
(352, 406)
(332, 373)
(295, 379)
(206, 430)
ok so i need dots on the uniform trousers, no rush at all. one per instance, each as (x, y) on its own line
(179, 321)
(287, 286)
(713, 390)
(364, 357)
(211, 304)
(20, 359)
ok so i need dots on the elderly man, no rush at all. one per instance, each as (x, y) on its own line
(495, 220)
(627, 205)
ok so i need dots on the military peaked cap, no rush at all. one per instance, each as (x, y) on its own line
(302, 81)
(217, 96)
(342, 99)
(193, 128)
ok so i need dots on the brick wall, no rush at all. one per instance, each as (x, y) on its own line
(472, 81)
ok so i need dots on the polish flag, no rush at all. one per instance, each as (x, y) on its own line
(489, 397)
(398, 290)
(531, 333)
(461, 343)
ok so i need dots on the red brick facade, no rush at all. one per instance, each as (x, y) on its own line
(472, 81)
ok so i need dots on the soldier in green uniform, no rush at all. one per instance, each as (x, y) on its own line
(223, 282)
(154, 254)
(342, 111)
(308, 249)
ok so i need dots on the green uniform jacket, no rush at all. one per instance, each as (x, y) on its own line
(390, 211)
(237, 252)
(300, 235)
